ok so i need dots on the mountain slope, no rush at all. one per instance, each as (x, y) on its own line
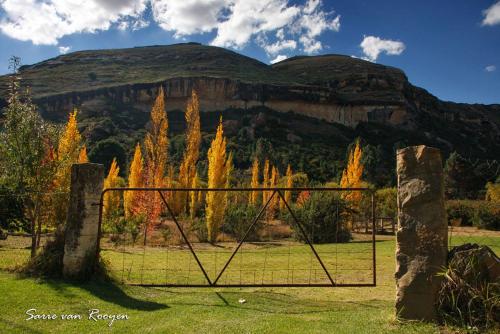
(320, 104)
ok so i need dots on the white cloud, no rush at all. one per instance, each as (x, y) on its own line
(45, 22)
(64, 49)
(278, 59)
(247, 18)
(278, 46)
(275, 25)
(492, 15)
(373, 46)
(490, 68)
(186, 17)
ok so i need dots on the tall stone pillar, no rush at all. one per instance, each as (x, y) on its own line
(422, 232)
(83, 220)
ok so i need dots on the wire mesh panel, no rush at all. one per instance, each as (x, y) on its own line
(241, 237)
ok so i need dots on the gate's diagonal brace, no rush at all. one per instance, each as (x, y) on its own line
(244, 237)
(306, 238)
(185, 238)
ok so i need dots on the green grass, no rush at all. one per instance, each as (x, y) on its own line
(190, 310)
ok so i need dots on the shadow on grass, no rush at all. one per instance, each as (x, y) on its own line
(113, 293)
(107, 291)
(270, 302)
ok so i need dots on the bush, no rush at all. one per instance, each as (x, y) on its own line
(12, 216)
(387, 202)
(469, 295)
(482, 214)
(199, 228)
(237, 221)
(487, 217)
(324, 218)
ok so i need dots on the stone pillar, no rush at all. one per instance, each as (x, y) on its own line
(82, 221)
(422, 232)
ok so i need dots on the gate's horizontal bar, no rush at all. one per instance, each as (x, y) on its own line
(252, 285)
(235, 189)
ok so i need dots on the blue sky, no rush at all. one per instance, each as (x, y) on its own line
(451, 48)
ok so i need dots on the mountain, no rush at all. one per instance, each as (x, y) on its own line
(306, 109)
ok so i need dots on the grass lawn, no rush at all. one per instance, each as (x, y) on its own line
(207, 310)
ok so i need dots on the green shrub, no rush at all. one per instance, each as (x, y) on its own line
(133, 226)
(387, 202)
(237, 221)
(199, 228)
(324, 217)
(487, 217)
(460, 212)
(12, 216)
(469, 296)
(482, 214)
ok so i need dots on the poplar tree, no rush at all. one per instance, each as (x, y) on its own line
(156, 151)
(254, 197)
(111, 198)
(193, 206)
(132, 199)
(265, 182)
(68, 152)
(352, 175)
(187, 168)
(219, 168)
(82, 156)
(289, 184)
(273, 182)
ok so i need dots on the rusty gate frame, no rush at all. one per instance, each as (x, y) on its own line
(274, 191)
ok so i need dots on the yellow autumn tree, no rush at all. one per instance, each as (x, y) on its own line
(265, 182)
(132, 199)
(111, 198)
(273, 183)
(492, 192)
(352, 175)
(156, 153)
(195, 196)
(68, 153)
(254, 196)
(218, 171)
(82, 156)
(289, 184)
(187, 169)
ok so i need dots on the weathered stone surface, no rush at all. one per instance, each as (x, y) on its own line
(475, 262)
(422, 232)
(83, 219)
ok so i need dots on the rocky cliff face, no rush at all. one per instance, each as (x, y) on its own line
(217, 94)
(333, 88)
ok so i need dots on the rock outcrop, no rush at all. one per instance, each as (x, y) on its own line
(422, 232)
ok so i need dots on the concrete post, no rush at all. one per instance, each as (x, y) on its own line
(422, 232)
(82, 221)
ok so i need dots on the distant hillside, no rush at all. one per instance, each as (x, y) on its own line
(315, 105)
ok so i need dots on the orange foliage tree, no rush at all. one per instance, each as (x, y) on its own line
(265, 182)
(352, 175)
(254, 197)
(82, 156)
(219, 168)
(187, 168)
(156, 149)
(111, 198)
(132, 200)
(289, 184)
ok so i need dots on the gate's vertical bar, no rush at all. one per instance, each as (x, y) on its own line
(99, 230)
(373, 239)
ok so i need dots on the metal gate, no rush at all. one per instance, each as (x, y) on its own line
(287, 248)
